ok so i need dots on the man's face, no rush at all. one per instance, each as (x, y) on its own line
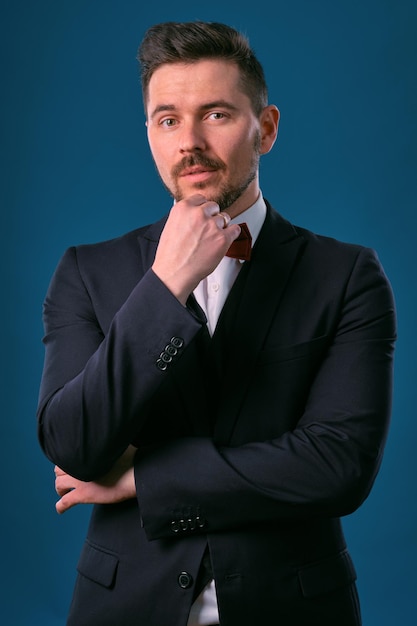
(203, 133)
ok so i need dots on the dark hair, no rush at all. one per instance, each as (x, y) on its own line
(177, 42)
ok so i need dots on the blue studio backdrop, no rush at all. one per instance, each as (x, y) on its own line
(75, 168)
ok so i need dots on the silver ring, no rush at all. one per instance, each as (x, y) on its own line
(226, 218)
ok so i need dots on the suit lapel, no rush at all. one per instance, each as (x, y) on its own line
(265, 277)
(148, 242)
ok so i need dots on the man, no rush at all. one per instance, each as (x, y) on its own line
(221, 412)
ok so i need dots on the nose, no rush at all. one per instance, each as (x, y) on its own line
(191, 138)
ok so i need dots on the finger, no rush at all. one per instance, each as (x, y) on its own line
(222, 219)
(211, 209)
(64, 484)
(71, 497)
(58, 471)
(197, 199)
(232, 232)
(62, 489)
(65, 503)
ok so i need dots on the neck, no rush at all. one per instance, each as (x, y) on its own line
(245, 200)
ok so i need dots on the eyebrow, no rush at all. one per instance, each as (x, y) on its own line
(216, 104)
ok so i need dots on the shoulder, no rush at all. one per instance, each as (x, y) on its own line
(115, 264)
(124, 242)
(314, 244)
(326, 262)
(121, 250)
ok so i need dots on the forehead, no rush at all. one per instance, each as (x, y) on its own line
(177, 82)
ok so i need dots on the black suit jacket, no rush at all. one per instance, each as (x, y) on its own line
(253, 443)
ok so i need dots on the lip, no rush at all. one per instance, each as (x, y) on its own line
(197, 173)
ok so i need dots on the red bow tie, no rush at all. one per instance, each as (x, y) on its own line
(241, 248)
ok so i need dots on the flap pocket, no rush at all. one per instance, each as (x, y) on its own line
(98, 565)
(327, 575)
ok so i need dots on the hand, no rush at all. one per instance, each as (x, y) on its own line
(116, 486)
(192, 244)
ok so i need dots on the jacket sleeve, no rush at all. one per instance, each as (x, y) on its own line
(94, 387)
(325, 466)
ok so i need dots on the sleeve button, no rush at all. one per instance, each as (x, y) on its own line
(177, 342)
(200, 521)
(166, 358)
(160, 364)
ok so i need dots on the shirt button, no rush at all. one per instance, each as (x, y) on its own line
(215, 287)
(185, 580)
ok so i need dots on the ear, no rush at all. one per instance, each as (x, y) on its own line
(269, 121)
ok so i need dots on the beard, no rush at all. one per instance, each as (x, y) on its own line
(228, 192)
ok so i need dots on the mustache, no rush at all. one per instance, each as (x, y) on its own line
(192, 161)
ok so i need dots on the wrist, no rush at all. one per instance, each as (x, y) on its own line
(180, 289)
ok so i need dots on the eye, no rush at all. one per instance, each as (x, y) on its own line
(216, 115)
(168, 122)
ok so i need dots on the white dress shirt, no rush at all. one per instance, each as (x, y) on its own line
(211, 294)
(212, 291)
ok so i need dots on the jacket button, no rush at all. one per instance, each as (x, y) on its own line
(185, 580)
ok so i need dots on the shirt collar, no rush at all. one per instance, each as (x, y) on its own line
(254, 217)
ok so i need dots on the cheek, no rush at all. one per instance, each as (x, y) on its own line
(241, 155)
(242, 147)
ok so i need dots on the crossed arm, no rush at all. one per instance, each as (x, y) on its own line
(206, 244)
(117, 485)
(326, 466)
